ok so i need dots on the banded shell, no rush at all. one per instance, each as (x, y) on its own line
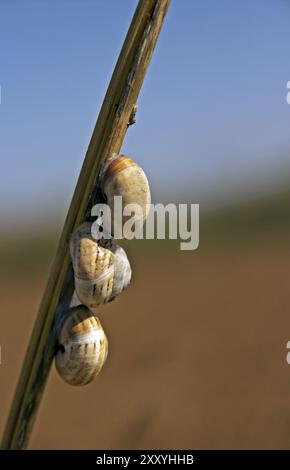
(123, 177)
(101, 269)
(83, 347)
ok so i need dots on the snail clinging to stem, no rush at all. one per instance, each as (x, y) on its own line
(101, 268)
(101, 272)
(123, 177)
(82, 347)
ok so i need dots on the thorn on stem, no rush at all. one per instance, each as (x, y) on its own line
(132, 118)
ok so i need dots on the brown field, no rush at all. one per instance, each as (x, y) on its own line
(197, 356)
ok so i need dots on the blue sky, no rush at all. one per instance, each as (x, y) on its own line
(212, 120)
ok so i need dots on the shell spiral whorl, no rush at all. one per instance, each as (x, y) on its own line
(83, 347)
(122, 176)
(101, 269)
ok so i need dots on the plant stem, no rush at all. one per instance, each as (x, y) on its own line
(106, 139)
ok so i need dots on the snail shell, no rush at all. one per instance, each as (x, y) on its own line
(101, 269)
(122, 176)
(83, 347)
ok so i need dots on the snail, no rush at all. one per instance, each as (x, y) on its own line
(101, 268)
(122, 176)
(83, 347)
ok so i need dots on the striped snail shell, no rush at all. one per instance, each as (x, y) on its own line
(101, 268)
(122, 176)
(83, 347)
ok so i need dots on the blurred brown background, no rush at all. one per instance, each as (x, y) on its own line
(197, 343)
